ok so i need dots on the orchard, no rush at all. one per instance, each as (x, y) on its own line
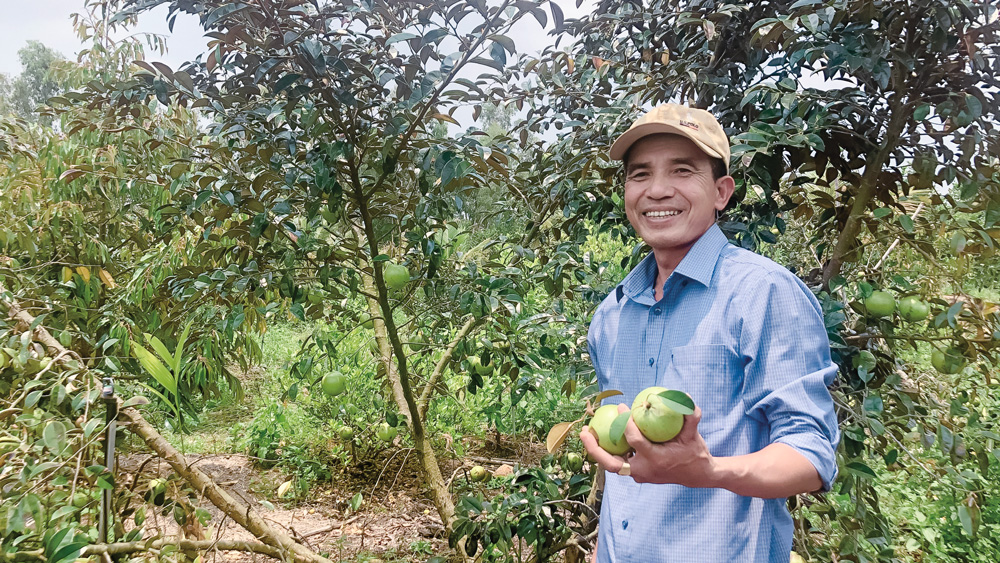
(356, 246)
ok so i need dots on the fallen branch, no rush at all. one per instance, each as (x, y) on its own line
(182, 545)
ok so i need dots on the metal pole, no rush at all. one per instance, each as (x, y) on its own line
(111, 405)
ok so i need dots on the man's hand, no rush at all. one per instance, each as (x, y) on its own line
(685, 460)
(776, 471)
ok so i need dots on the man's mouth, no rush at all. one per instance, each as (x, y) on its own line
(660, 213)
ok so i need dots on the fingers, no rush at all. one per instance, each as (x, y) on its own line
(610, 462)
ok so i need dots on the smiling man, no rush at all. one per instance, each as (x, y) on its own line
(738, 333)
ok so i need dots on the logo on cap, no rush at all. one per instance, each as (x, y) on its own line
(689, 125)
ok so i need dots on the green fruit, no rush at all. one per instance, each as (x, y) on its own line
(385, 432)
(913, 310)
(656, 421)
(417, 342)
(600, 427)
(396, 276)
(366, 321)
(346, 433)
(334, 384)
(880, 304)
(948, 361)
(481, 369)
(81, 499)
(478, 473)
(574, 462)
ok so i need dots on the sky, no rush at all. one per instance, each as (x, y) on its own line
(49, 21)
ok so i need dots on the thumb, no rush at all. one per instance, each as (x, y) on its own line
(690, 428)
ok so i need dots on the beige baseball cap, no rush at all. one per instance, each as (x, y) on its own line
(696, 124)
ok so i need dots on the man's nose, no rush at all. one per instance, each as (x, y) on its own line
(661, 186)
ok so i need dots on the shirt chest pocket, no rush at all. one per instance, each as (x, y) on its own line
(713, 377)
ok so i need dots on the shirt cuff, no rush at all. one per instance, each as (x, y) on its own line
(819, 453)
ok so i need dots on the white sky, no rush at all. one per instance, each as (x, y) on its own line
(49, 21)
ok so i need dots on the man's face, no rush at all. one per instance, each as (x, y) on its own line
(670, 194)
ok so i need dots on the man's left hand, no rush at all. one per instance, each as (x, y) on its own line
(684, 460)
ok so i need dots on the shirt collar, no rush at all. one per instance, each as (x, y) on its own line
(697, 265)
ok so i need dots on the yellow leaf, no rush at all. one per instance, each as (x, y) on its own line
(557, 435)
(106, 278)
(84, 273)
(67, 274)
(283, 488)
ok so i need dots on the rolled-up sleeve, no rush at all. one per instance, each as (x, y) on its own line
(788, 370)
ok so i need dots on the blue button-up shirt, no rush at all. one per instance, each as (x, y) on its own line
(746, 339)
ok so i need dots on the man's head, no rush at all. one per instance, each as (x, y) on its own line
(698, 125)
(675, 177)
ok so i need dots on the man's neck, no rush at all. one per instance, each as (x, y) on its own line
(666, 263)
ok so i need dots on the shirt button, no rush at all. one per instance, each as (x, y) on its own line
(657, 311)
(651, 361)
(624, 524)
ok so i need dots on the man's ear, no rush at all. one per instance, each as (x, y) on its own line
(724, 188)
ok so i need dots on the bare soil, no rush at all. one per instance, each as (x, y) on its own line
(396, 521)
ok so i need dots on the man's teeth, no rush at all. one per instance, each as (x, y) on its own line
(661, 213)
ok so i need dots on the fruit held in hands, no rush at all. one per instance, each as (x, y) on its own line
(656, 421)
(600, 427)
(913, 310)
(396, 276)
(478, 473)
(334, 383)
(880, 304)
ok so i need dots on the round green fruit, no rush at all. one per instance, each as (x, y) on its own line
(656, 421)
(574, 462)
(417, 342)
(948, 361)
(478, 473)
(81, 499)
(600, 427)
(880, 304)
(346, 433)
(366, 321)
(385, 432)
(913, 310)
(334, 384)
(396, 276)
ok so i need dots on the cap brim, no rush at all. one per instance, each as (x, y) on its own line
(628, 138)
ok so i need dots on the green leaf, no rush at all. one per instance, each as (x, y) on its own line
(861, 470)
(678, 401)
(54, 436)
(617, 429)
(154, 367)
(160, 348)
(906, 222)
(921, 112)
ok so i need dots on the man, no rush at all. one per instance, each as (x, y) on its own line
(738, 333)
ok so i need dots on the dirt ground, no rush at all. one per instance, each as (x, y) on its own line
(396, 521)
